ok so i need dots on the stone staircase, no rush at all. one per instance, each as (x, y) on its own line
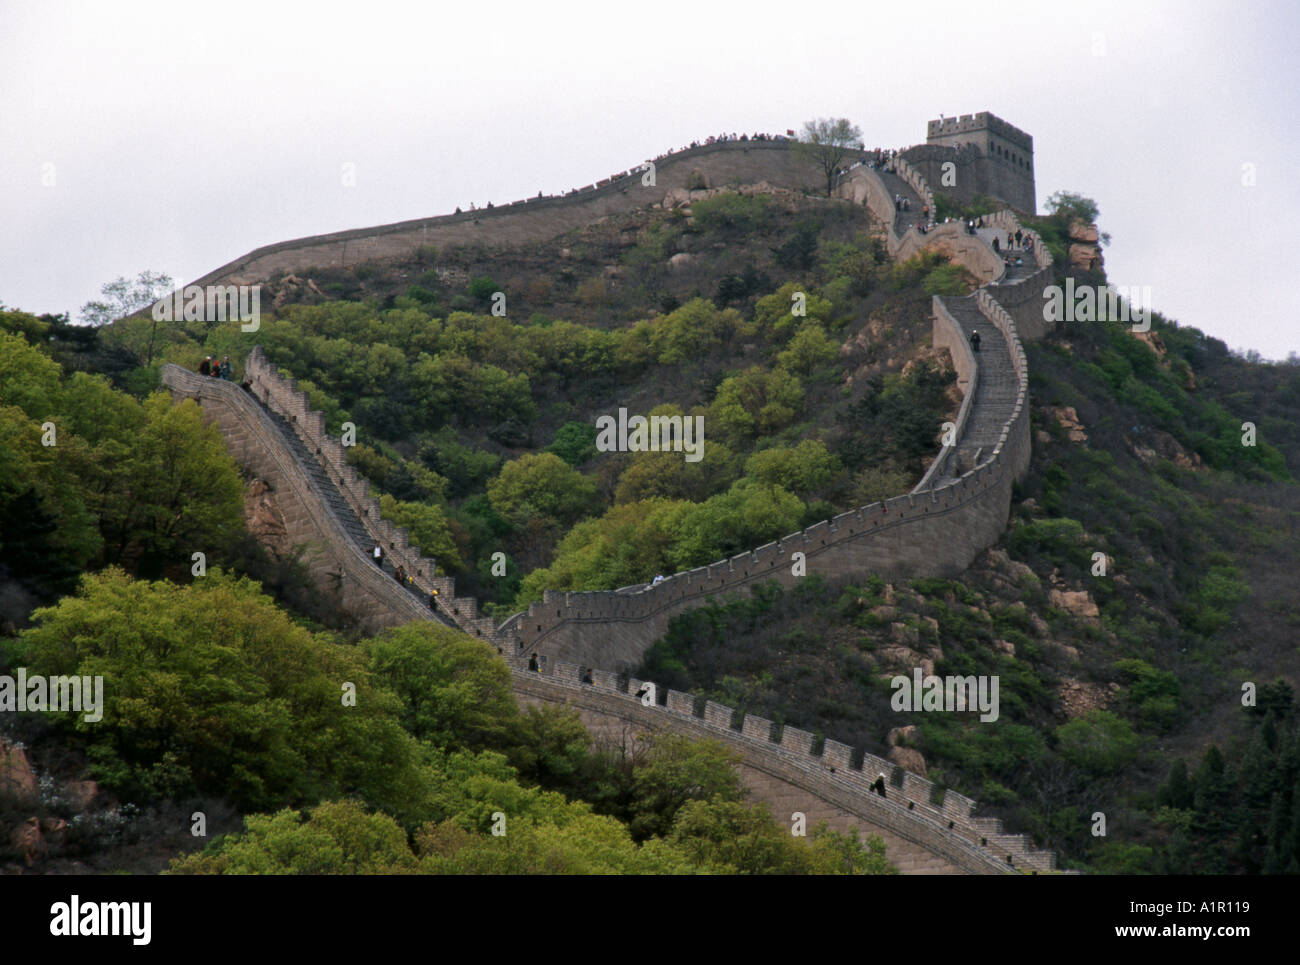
(1018, 848)
(995, 390)
(903, 219)
(333, 500)
(991, 406)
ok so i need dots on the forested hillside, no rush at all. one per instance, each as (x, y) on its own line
(781, 321)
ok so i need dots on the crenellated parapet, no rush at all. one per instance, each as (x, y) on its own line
(912, 808)
(957, 511)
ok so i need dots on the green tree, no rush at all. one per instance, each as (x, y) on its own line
(1100, 742)
(667, 475)
(1066, 207)
(803, 469)
(541, 485)
(695, 329)
(575, 443)
(810, 351)
(731, 837)
(210, 689)
(1176, 792)
(455, 692)
(774, 317)
(757, 402)
(175, 492)
(747, 515)
(426, 525)
(828, 142)
(664, 773)
(335, 838)
(122, 296)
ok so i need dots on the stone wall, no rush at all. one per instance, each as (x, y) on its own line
(938, 532)
(338, 569)
(531, 219)
(948, 334)
(1023, 301)
(990, 156)
(970, 251)
(926, 829)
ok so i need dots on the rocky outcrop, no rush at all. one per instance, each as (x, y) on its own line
(1068, 420)
(906, 757)
(263, 517)
(1085, 250)
(28, 841)
(17, 779)
(1075, 602)
(1079, 698)
(1153, 445)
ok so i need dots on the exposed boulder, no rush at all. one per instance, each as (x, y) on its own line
(28, 842)
(17, 779)
(902, 633)
(1087, 233)
(264, 519)
(1079, 698)
(1075, 602)
(1085, 257)
(905, 659)
(908, 758)
(897, 734)
(1068, 419)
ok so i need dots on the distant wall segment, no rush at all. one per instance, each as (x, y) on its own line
(531, 220)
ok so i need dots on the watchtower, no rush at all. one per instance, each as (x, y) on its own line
(1005, 165)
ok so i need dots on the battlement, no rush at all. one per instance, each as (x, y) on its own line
(911, 810)
(968, 124)
(991, 156)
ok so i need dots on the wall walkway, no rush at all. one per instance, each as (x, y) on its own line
(958, 510)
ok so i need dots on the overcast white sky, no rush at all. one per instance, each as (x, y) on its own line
(178, 136)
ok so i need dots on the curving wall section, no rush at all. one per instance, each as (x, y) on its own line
(792, 771)
(340, 568)
(938, 529)
(530, 219)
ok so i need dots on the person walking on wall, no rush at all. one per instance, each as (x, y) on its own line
(532, 664)
(378, 554)
(975, 340)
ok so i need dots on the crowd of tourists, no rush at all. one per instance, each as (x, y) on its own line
(403, 578)
(711, 139)
(214, 369)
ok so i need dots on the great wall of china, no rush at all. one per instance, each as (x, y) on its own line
(959, 508)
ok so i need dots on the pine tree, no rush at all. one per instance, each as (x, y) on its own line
(1176, 792)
